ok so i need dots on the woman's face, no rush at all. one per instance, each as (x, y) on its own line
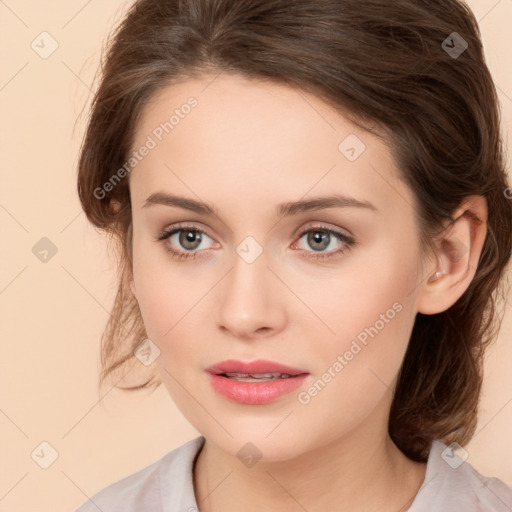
(264, 279)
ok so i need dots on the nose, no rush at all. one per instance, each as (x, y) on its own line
(251, 300)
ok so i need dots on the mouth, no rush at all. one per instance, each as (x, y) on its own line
(255, 383)
(258, 370)
(256, 377)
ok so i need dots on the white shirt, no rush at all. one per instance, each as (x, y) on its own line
(450, 485)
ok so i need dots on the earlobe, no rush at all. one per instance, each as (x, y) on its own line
(437, 275)
(458, 254)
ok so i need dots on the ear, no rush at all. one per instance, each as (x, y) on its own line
(458, 252)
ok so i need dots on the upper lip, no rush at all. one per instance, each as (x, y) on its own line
(252, 367)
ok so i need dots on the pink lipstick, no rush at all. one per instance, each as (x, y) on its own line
(255, 382)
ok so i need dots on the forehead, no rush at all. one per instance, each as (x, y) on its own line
(254, 140)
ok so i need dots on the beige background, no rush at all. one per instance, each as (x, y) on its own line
(53, 313)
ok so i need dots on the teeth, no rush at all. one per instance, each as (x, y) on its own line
(255, 377)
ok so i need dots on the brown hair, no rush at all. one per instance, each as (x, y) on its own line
(384, 65)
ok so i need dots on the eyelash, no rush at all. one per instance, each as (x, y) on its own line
(191, 255)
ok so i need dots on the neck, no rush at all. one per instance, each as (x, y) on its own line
(358, 472)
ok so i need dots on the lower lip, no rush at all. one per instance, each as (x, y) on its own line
(255, 393)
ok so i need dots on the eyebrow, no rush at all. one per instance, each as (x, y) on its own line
(283, 210)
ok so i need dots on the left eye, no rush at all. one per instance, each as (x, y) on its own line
(321, 239)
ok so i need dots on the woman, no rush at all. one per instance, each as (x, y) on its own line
(310, 204)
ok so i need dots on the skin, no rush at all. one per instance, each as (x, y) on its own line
(245, 148)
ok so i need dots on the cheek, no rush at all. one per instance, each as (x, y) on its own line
(164, 292)
(360, 363)
(366, 322)
(370, 288)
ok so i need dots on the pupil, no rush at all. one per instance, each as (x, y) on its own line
(190, 237)
(320, 237)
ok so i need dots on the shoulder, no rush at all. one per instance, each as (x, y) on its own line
(162, 484)
(452, 484)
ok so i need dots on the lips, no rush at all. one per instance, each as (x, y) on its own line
(256, 368)
(255, 382)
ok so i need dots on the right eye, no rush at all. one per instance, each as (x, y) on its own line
(188, 239)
